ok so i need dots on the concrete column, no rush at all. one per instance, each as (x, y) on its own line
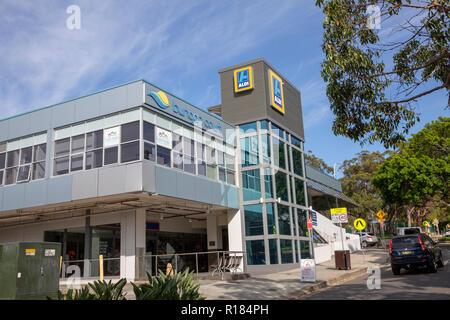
(212, 234)
(87, 246)
(132, 242)
(140, 243)
(235, 234)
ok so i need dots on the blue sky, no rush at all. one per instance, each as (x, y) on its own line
(177, 45)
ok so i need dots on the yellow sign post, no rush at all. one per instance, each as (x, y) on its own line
(426, 224)
(381, 214)
(359, 224)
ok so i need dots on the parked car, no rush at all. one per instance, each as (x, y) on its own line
(367, 239)
(403, 231)
(412, 251)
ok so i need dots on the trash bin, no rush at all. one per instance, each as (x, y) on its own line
(29, 270)
(342, 259)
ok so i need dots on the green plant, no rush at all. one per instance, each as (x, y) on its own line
(108, 291)
(77, 294)
(180, 286)
(444, 239)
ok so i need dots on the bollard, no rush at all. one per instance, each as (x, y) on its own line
(101, 267)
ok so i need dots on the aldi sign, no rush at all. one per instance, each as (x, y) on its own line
(243, 79)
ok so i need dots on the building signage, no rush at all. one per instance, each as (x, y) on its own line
(276, 92)
(314, 218)
(243, 79)
(186, 113)
(111, 136)
(164, 138)
(307, 270)
(339, 215)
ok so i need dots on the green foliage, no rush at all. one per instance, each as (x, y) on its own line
(108, 291)
(317, 162)
(417, 177)
(444, 239)
(77, 294)
(102, 290)
(369, 102)
(356, 182)
(180, 286)
(406, 179)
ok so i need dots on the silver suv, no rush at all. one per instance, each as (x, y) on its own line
(367, 239)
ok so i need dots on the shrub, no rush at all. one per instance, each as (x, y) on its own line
(180, 286)
(101, 291)
(107, 291)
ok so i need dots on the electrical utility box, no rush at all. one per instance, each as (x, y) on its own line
(29, 270)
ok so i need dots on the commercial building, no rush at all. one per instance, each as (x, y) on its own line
(135, 171)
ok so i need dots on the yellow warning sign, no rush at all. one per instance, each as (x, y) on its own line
(381, 214)
(426, 223)
(338, 210)
(359, 224)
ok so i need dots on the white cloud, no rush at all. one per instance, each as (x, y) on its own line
(42, 62)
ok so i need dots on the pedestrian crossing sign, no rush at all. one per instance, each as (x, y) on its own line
(359, 224)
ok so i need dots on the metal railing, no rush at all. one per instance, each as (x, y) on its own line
(200, 262)
(90, 268)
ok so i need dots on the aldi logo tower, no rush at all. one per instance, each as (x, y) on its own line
(276, 92)
(243, 79)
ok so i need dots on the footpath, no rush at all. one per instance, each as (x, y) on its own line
(287, 285)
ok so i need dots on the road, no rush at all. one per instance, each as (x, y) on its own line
(409, 285)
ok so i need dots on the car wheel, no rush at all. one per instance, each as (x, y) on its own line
(432, 268)
(396, 270)
(364, 244)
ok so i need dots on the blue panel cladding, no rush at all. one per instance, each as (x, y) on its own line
(59, 189)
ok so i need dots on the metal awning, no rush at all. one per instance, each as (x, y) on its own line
(328, 191)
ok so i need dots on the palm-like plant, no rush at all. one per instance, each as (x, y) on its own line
(108, 291)
(180, 286)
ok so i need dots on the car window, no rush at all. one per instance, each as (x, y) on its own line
(405, 242)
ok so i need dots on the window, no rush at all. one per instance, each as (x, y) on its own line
(268, 183)
(297, 160)
(286, 251)
(163, 156)
(12, 163)
(305, 251)
(278, 152)
(273, 251)
(270, 214)
(296, 142)
(129, 132)
(281, 186)
(201, 164)
(266, 148)
(253, 220)
(26, 157)
(129, 152)
(264, 124)
(284, 220)
(94, 150)
(189, 155)
(302, 219)
(277, 131)
(249, 151)
(248, 128)
(255, 252)
(129, 148)
(299, 192)
(251, 185)
(61, 166)
(149, 142)
(62, 147)
(111, 155)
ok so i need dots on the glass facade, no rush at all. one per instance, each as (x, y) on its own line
(23, 160)
(273, 189)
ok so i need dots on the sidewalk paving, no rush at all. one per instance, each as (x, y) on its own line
(287, 284)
